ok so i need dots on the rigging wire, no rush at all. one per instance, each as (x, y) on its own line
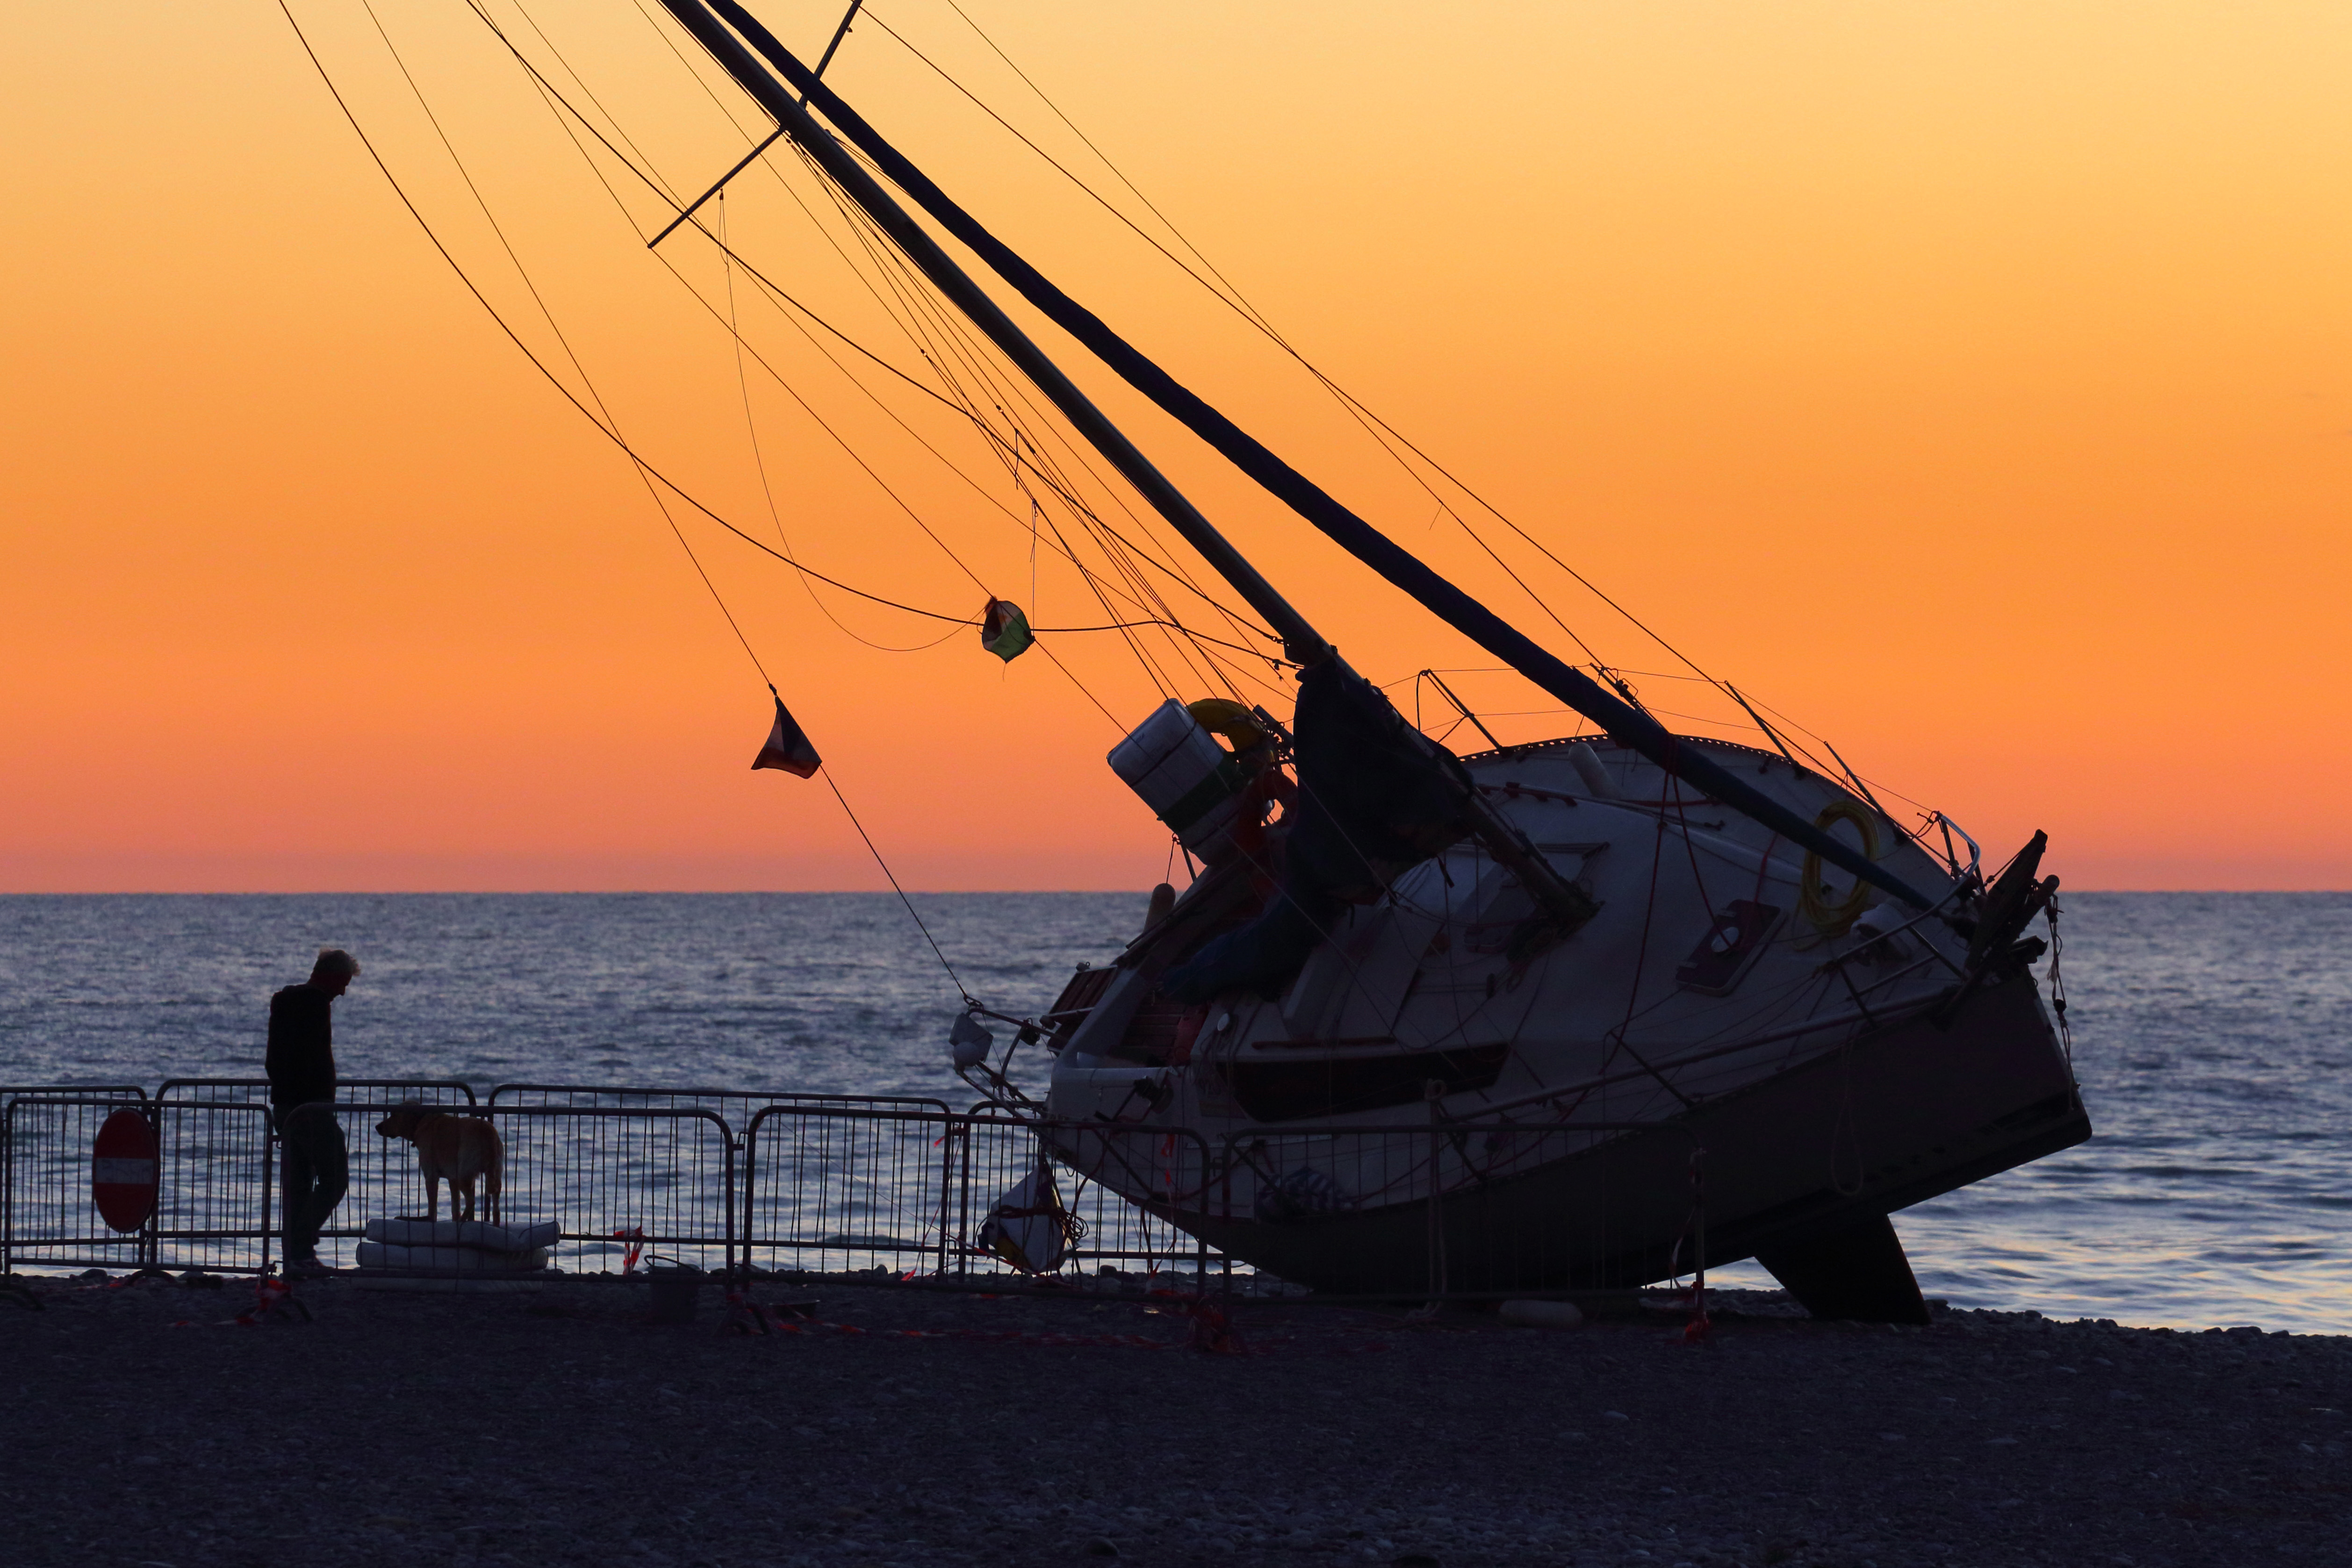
(1233, 298)
(923, 317)
(612, 432)
(555, 97)
(918, 304)
(1116, 171)
(663, 188)
(1115, 624)
(960, 340)
(1096, 526)
(758, 459)
(969, 1000)
(1230, 295)
(1385, 434)
(670, 43)
(979, 360)
(642, 467)
(608, 428)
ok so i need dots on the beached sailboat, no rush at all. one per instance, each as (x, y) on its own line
(1602, 955)
(1586, 1012)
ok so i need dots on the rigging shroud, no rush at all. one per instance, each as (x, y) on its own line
(1303, 643)
(1628, 725)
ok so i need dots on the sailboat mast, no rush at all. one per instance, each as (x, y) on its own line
(1301, 642)
(1569, 904)
(1627, 724)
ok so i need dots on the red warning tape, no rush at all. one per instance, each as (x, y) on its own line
(273, 1303)
(635, 1236)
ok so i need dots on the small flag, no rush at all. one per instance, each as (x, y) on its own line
(788, 747)
(1004, 630)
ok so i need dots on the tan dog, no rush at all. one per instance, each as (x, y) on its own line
(455, 1149)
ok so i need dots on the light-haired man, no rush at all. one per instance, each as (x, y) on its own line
(316, 1167)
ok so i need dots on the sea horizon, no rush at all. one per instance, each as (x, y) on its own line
(911, 891)
(2212, 1036)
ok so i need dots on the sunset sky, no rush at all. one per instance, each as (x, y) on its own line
(1971, 382)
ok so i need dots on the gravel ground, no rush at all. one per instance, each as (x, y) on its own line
(559, 1427)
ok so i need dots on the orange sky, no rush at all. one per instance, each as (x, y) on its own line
(1973, 382)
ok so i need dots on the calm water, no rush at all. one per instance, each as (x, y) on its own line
(2213, 1038)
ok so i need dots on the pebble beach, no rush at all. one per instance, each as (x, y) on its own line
(901, 1426)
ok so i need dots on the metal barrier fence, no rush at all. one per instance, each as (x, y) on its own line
(837, 1189)
(1130, 1182)
(737, 1102)
(616, 1181)
(48, 1210)
(116, 1092)
(891, 1187)
(434, 1091)
(87, 1091)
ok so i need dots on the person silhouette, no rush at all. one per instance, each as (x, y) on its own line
(315, 1168)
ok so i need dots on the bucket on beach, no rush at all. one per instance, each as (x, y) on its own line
(673, 1290)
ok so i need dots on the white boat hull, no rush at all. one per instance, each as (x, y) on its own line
(1898, 1118)
(1607, 1109)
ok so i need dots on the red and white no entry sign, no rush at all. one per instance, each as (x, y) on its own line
(125, 1167)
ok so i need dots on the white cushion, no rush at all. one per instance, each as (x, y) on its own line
(461, 1233)
(450, 1259)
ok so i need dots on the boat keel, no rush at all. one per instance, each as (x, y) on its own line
(1857, 1272)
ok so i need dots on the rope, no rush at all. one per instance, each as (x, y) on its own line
(1380, 429)
(911, 911)
(760, 461)
(592, 416)
(613, 434)
(561, 106)
(2058, 984)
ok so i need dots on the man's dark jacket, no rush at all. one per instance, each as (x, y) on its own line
(301, 1059)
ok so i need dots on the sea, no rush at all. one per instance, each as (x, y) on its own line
(2212, 1036)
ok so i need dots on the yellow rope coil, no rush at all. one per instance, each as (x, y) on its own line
(1224, 717)
(1813, 895)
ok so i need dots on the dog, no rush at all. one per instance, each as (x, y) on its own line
(455, 1149)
